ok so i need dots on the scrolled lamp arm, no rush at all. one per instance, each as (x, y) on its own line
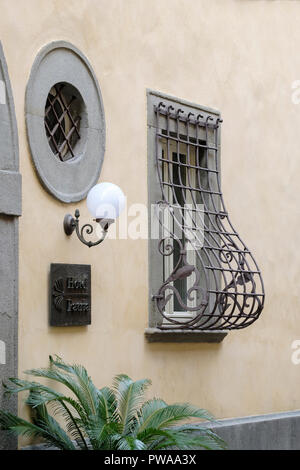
(71, 224)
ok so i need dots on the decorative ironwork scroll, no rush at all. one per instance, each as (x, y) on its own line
(211, 280)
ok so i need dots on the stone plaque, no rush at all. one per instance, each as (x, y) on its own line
(70, 294)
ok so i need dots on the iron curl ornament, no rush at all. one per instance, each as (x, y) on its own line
(213, 279)
(72, 223)
(182, 271)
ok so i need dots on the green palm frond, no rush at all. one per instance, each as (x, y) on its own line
(130, 443)
(44, 426)
(152, 437)
(41, 394)
(147, 410)
(64, 379)
(107, 404)
(75, 378)
(197, 437)
(52, 431)
(86, 386)
(181, 441)
(15, 385)
(10, 422)
(115, 418)
(75, 426)
(129, 396)
(176, 438)
(104, 436)
(159, 415)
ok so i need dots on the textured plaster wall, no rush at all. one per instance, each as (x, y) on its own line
(238, 56)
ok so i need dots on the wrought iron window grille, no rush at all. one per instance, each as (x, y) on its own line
(62, 120)
(211, 281)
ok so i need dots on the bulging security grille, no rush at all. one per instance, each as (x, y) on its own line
(211, 280)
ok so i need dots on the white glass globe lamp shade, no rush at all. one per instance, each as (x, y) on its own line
(105, 201)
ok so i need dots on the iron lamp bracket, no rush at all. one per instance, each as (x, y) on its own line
(71, 224)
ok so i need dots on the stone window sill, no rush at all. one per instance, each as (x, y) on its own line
(155, 335)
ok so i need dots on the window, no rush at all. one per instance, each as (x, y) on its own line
(202, 276)
(63, 113)
(179, 221)
(65, 121)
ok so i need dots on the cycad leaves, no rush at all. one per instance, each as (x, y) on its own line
(75, 378)
(129, 397)
(115, 418)
(45, 426)
(157, 414)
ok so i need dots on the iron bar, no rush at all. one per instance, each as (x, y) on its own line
(216, 283)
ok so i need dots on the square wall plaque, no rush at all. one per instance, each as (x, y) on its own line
(70, 294)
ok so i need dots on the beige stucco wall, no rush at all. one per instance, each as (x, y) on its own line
(237, 56)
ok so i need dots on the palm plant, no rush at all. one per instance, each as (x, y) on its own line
(115, 418)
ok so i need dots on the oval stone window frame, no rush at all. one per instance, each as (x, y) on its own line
(68, 181)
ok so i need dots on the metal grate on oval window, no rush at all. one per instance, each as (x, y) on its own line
(211, 280)
(62, 120)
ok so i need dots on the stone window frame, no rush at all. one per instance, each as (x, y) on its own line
(155, 274)
(10, 210)
(68, 181)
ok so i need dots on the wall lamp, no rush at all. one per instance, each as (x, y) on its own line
(105, 201)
